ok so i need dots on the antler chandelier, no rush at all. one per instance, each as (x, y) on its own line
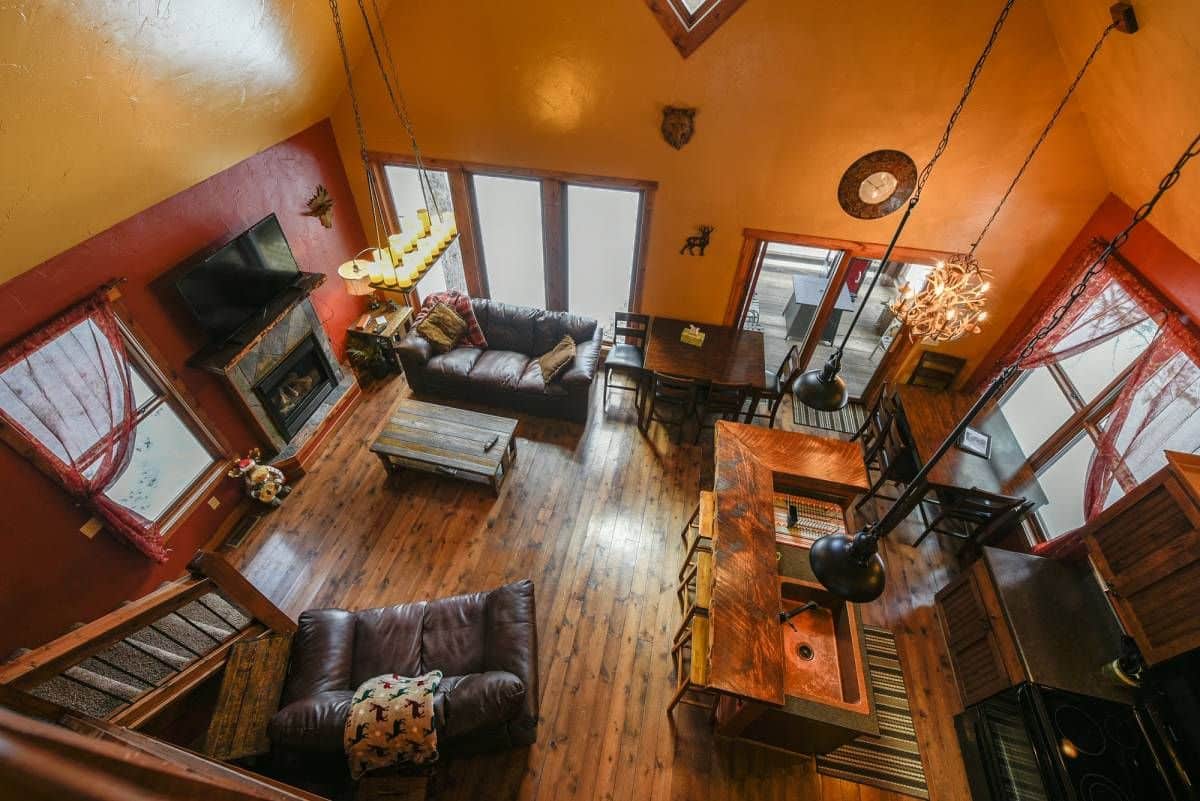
(950, 304)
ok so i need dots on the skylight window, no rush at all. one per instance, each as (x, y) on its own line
(690, 22)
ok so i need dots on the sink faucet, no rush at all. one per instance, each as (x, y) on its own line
(786, 617)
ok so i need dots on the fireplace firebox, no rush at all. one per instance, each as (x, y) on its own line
(293, 390)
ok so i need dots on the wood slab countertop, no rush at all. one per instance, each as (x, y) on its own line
(746, 649)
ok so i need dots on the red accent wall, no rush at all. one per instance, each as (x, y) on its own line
(1174, 274)
(51, 576)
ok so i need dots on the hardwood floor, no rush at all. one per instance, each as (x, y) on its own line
(592, 515)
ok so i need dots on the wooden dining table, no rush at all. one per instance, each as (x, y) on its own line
(728, 356)
(932, 414)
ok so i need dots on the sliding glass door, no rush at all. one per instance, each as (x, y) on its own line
(602, 238)
(512, 238)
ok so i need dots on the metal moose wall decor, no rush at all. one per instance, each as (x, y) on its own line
(678, 125)
(694, 242)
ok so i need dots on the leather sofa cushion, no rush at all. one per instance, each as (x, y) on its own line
(465, 704)
(312, 724)
(552, 326)
(388, 640)
(499, 369)
(323, 646)
(508, 327)
(532, 381)
(453, 637)
(456, 363)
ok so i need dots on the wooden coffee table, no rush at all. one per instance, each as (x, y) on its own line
(448, 442)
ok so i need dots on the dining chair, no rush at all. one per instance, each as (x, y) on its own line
(673, 401)
(868, 432)
(893, 456)
(779, 383)
(975, 515)
(720, 401)
(627, 354)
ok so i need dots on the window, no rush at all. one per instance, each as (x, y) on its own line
(172, 451)
(1057, 413)
(602, 238)
(689, 23)
(510, 230)
(557, 241)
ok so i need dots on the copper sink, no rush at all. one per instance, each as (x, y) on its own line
(822, 652)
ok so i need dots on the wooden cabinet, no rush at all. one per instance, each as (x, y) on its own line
(981, 648)
(1146, 548)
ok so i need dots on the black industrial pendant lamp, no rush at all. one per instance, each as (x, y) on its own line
(851, 567)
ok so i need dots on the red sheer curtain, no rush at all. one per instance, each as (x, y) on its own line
(66, 391)
(1158, 406)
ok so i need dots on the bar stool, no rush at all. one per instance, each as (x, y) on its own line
(697, 534)
(691, 651)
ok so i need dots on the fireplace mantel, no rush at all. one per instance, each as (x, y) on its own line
(255, 351)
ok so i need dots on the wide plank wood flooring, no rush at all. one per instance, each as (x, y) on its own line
(592, 515)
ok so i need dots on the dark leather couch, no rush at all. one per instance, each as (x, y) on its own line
(484, 643)
(507, 373)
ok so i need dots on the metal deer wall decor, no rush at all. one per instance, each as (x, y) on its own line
(699, 242)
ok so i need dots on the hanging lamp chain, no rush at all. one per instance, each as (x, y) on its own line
(1115, 244)
(1045, 133)
(396, 98)
(943, 143)
(927, 170)
(372, 190)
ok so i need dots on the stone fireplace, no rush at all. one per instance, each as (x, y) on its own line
(287, 378)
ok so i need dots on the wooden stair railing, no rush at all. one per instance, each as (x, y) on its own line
(131, 664)
(89, 760)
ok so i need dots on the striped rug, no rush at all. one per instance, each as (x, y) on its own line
(846, 420)
(890, 761)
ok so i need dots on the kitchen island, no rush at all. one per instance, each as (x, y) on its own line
(801, 686)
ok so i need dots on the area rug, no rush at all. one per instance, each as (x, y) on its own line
(846, 420)
(890, 761)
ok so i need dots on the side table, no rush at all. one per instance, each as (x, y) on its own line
(372, 341)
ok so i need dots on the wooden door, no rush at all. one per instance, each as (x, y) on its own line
(1146, 548)
(981, 648)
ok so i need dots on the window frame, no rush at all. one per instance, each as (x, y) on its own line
(554, 220)
(166, 392)
(1087, 419)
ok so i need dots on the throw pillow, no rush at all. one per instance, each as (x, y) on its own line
(442, 327)
(556, 361)
(462, 305)
(391, 721)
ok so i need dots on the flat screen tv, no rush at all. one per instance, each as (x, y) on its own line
(230, 286)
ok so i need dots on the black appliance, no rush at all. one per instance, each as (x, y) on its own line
(230, 286)
(1035, 743)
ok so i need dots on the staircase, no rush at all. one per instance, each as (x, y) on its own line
(150, 653)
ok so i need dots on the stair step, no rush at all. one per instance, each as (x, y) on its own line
(138, 663)
(227, 611)
(77, 697)
(104, 684)
(162, 647)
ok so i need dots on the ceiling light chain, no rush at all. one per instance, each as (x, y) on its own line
(952, 302)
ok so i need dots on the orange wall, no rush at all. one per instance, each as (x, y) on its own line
(110, 106)
(1141, 103)
(788, 96)
(51, 575)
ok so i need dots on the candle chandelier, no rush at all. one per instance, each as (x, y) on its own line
(397, 261)
(951, 302)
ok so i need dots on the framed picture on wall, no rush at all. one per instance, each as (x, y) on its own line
(976, 442)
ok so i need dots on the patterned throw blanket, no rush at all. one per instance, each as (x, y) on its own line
(391, 722)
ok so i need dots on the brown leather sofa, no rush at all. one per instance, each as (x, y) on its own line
(484, 643)
(507, 372)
